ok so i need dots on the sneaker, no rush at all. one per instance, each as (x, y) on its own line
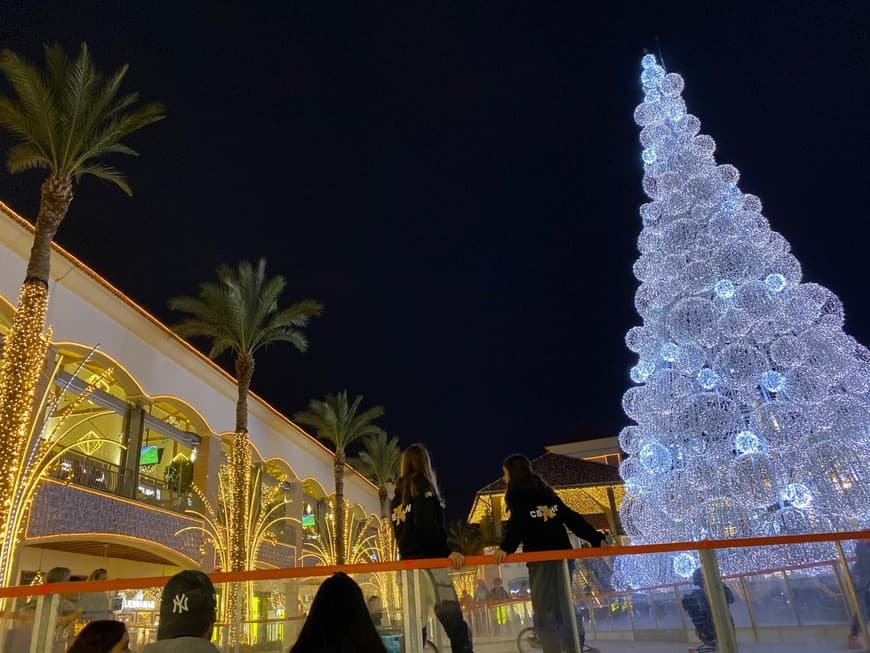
(853, 642)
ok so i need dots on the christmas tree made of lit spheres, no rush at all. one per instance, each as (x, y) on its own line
(751, 403)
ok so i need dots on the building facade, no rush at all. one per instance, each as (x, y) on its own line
(149, 416)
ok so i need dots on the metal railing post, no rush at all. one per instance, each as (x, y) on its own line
(44, 621)
(572, 615)
(411, 612)
(725, 634)
(750, 609)
(852, 596)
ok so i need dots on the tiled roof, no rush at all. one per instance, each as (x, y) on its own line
(565, 471)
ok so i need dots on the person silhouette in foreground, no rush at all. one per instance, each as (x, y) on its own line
(187, 615)
(697, 606)
(339, 621)
(102, 636)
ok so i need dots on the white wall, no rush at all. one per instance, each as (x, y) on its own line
(34, 558)
(86, 310)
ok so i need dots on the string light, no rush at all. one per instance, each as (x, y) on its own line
(260, 513)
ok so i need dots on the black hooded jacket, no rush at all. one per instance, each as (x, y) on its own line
(419, 526)
(538, 518)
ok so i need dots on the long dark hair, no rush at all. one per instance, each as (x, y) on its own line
(416, 474)
(98, 637)
(521, 475)
(339, 621)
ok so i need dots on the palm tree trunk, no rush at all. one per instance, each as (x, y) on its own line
(240, 491)
(340, 552)
(55, 197)
(240, 464)
(383, 498)
(23, 358)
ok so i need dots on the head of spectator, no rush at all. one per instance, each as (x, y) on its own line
(339, 620)
(58, 575)
(187, 607)
(99, 574)
(102, 637)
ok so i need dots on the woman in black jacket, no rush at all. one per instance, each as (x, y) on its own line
(418, 521)
(537, 520)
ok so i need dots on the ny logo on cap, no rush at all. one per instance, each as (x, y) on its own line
(179, 604)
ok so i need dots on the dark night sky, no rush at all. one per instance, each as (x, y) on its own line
(458, 182)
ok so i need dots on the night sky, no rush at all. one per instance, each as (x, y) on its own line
(458, 182)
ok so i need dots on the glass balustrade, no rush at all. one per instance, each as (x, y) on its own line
(808, 604)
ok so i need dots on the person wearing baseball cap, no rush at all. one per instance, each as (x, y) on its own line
(187, 615)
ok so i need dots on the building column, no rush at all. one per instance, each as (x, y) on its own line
(294, 508)
(206, 467)
(128, 469)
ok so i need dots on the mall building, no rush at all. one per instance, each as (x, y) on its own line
(122, 507)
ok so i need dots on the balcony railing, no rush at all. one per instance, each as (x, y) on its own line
(107, 477)
(809, 607)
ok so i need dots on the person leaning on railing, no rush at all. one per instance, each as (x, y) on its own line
(537, 520)
(418, 522)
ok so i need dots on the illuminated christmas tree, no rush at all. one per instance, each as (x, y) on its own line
(751, 404)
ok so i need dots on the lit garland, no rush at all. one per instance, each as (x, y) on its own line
(386, 583)
(585, 500)
(359, 543)
(23, 358)
(26, 452)
(260, 513)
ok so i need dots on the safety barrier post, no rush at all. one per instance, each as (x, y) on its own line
(725, 634)
(569, 604)
(411, 611)
(852, 596)
(44, 622)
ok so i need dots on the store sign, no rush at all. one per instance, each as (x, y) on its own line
(138, 604)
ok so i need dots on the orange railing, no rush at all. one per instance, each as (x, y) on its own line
(433, 563)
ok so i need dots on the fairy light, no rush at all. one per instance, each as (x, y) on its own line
(27, 453)
(359, 543)
(260, 513)
(23, 357)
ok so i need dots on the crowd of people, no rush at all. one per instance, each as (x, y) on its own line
(340, 619)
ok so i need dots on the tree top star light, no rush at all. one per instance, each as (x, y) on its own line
(751, 403)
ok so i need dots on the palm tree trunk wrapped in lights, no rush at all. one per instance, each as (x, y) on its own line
(219, 518)
(64, 119)
(37, 451)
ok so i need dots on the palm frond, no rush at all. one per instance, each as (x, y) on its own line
(338, 421)
(72, 113)
(241, 311)
(26, 156)
(36, 104)
(379, 459)
(105, 172)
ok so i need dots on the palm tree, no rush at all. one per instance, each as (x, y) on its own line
(379, 462)
(464, 537)
(240, 313)
(337, 421)
(64, 119)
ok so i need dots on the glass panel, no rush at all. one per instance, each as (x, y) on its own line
(775, 607)
(792, 595)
